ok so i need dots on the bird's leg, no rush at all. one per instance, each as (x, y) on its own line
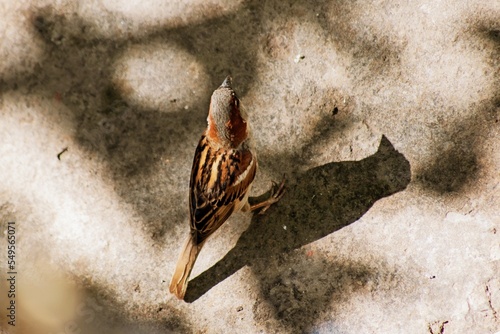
(275, 197)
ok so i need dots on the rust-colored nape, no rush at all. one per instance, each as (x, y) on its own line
(236, 126)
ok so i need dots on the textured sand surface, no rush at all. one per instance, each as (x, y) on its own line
(384, 115)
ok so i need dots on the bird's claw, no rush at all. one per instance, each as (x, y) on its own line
(275, 195)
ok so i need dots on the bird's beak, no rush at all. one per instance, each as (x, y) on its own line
(227, 82)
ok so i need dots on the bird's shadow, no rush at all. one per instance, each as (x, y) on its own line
(320, 201)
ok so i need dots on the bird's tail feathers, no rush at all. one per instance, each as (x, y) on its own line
(187, 258)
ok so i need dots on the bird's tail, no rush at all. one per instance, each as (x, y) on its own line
(189, 253)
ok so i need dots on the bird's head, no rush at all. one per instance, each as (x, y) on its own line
(227, 124)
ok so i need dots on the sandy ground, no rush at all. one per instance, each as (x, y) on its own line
(384, 115)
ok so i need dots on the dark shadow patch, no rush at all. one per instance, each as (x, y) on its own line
(455, 166)
(303, 288)
(451, 170)
(100, 312)
(494, 35)
(373, 55)
(322, 201)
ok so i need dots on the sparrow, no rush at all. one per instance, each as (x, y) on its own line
(223, 170)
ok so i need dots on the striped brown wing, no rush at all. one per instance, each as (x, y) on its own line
(219, 180)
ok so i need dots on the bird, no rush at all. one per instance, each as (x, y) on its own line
(223, 170)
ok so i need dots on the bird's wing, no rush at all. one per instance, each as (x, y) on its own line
(220, 179)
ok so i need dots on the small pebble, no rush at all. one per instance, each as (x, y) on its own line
(298, 58)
